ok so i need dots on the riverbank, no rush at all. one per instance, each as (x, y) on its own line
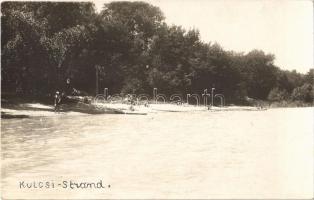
(26, 110)
(78, 105)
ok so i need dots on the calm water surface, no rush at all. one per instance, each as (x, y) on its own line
(230, 154)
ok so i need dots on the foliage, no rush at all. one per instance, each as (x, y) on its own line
(133, 51)
(277, 94)
(304, 93)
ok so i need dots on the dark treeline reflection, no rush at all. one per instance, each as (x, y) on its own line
(134, 50)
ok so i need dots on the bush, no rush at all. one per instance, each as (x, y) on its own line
(303, 93)
(277, 94)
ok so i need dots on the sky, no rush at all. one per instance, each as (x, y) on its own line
(280, 27)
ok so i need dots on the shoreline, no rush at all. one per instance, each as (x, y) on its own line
(41, 109)
(29, 110)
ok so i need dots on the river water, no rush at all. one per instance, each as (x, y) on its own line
(230, 154)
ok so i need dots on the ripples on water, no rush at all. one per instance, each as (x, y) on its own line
(246, 154)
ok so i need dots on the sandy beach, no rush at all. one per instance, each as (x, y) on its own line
(42, 110)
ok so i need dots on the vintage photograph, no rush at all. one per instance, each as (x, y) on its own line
(157, 99)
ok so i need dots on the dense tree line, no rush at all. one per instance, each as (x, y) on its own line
(133, 50)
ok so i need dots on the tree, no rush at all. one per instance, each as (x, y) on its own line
(35, 48)
(277, 94)
(22, 41)
(126, 30)
(260, 74)
(133, 51)
(172, 54)
(304, 93)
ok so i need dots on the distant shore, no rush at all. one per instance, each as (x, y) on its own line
(26, 107)
(27, 110)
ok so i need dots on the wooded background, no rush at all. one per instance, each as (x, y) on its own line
(45, 43)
